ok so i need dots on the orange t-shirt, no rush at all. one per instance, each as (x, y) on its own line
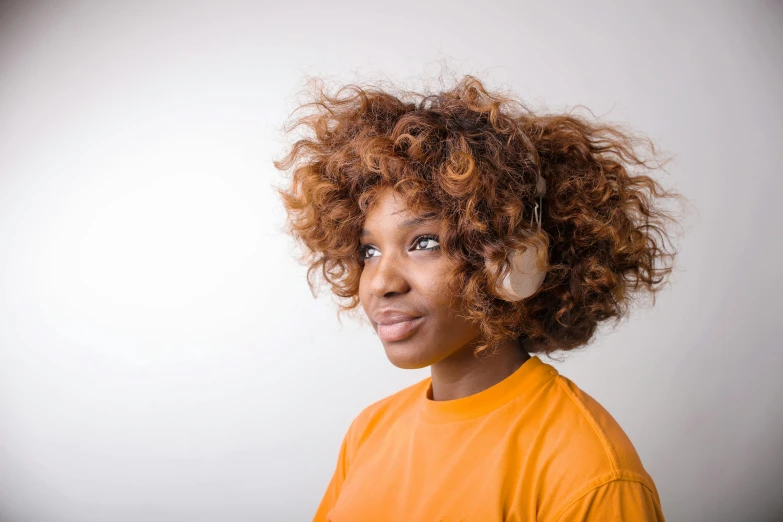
(533, 447)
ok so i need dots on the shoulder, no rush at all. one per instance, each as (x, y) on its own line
(599, 430)
(582, 448)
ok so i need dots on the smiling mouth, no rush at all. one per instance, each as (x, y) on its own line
(398, 331)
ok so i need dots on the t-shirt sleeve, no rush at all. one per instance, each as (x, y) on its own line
(615, 501)
(335, 483)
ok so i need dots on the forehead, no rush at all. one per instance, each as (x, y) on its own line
(388, 204)
(391, 211)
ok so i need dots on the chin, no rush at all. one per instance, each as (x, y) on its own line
(405, 355)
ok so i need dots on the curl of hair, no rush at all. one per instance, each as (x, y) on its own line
(473, 157)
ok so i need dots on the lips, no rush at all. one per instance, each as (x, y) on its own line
(396, 331)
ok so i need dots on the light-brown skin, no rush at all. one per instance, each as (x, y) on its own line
(403, 270)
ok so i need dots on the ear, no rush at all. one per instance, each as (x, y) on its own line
(524, 278)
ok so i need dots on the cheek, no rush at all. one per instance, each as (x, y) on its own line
(437, 278)
(363, 291)
(447, 306)
(432, 284)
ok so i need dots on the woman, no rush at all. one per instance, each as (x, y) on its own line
(474, 233)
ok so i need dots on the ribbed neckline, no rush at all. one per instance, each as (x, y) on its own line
(525, 378)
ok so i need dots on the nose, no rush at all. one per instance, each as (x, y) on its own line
(387, 276)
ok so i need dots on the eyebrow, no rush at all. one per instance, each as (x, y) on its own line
(408, 223)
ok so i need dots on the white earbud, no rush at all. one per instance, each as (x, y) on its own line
(524, 278)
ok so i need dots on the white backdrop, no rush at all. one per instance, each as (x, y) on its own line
(161, 357)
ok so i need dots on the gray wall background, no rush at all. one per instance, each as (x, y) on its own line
(161, 357)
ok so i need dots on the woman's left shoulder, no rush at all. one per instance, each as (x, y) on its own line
(600, 431)
(582, 446)
(590, 430)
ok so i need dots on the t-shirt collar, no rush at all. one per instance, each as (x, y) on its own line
(523, 379)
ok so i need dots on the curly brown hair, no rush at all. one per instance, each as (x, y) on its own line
(472, 158)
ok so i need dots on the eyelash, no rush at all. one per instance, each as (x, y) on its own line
(363, 248)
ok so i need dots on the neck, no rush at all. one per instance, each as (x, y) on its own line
(462, 374)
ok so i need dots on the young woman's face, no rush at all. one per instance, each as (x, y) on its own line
(402, 287)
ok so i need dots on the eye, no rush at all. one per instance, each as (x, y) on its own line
(364, 249)
(425, 240)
